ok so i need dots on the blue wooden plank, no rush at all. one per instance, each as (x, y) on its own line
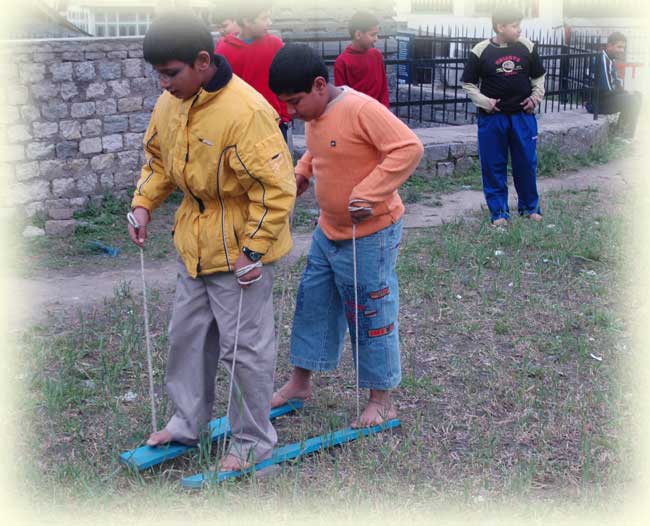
(289, 452)
(146, 456)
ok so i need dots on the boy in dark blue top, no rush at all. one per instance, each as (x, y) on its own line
(612, 98)
(511, 79)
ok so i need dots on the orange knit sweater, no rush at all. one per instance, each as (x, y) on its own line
(358, 150)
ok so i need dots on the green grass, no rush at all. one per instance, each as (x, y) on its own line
(500, 395)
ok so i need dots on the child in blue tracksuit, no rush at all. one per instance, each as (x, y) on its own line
(511, 79)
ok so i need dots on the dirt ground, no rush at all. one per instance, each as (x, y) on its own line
(58, 291)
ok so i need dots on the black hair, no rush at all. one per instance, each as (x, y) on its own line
(251, 9)
(294, 69)
(506, 14)
(176, 36)
(616, 36)
(362, 21)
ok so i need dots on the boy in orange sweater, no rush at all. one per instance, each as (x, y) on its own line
(359, 154)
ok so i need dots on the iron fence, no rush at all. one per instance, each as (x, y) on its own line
(425, 69)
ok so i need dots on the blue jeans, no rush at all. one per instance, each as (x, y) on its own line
(498, 133)
(325, 307)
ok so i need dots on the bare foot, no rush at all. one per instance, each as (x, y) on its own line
(535, 217)
(232, 463)
(376, 413)
(159, 438)
(298, 387)
(502, 221)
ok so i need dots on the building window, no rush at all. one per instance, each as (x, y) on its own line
(432, 6)
(602, 8)
(122, 23)
(529, 8)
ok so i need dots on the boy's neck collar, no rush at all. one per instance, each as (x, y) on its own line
(497, 41)
(358, 48)
(222, 73)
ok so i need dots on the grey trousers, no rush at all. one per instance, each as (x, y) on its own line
(201, 333)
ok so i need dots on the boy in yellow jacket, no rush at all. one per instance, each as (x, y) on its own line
(217, 139)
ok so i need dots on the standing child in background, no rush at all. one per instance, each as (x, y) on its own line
(226, 25)
(361, 66)
(511, 79)
(612, 98)
(359, 153)
(251, 52)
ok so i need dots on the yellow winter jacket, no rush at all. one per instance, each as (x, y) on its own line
(224, 149)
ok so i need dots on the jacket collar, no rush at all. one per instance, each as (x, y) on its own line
(212, 89)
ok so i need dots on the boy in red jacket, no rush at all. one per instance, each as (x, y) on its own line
(251, 52)
(361, 66)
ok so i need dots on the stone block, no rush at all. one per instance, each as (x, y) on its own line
(92, 145)
(95, 55)
(112, 143)
(30, 113)
(136, 52)
(129, 160)
(57, 203)
(91, 128)
(132, 67)
(68, 90)
(33, 231)
(125, 179)
(150, 102)
(43, 130)
(105, 161)
(52, 169)
(116, 124)
(31, 209)
(457, 149)
(84, 71)
(445, 169)
(39, 150)
(106, 180)
(67, 149)
(106, 107)
(64, 228)
(120, 88)
(54, 110)
(44, 90)
(77, 166)
(117, 54)
(26, 171)
(63, 187)
(133, 141)
(73, 56)
(464, 164)
(44, 57)
(87, 184)
(30, 73)
(79, 202)
(61, 71)
(79, 110)
(129, 104)
(436, 152)
(22, 193)
(110, 70)
(138, 122)
(60, 213)
(70, 129)
(18, 133)
(145, 85)
(95, 90)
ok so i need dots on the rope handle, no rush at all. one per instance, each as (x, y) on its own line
(245, 270)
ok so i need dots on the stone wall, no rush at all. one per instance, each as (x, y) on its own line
(74, 116)
(452, 149)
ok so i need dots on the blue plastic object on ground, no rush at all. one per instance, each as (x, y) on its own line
(289, 452)
(146, 456)
(111, 251)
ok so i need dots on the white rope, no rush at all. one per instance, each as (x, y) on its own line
(353, 208)
(234, 359)
(134, 222)
(238, 274)
(356, 312)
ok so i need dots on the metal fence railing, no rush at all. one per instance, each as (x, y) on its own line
(425, 69)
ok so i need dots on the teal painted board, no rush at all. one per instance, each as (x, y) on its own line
(291, 451)
(146, 456)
